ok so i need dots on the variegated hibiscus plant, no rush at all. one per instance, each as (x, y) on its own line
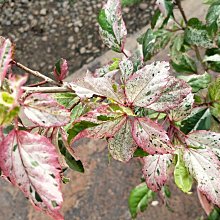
(164, 113)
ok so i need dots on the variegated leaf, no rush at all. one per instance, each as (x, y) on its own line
(106, 123)
(171, 96)
(145, 86)
(111, 25)
(122, 146)
(126, 67)
(45, 111)
(184, 108)
(61, 69)
(155, 170)
(30, 162)
(204, 166)
(1, 135)
(6, 50)
(151, 136)
(90, 85)
(204, 139)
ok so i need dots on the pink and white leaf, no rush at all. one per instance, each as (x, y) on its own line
(183, 110)
(61, 70)
(89, 85)
(204, 166)
(6, 51)
(15, 83)
(146, 85)
(106, 122)
(122, 146)
(171, 96)
(150, 136)
(204, 139)
(30, 162)
(155, 170)
(45, 111)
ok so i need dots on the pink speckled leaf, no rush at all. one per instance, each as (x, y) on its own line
(60, 70)
(1, 134)
(171, 96)
(146, 85)
(30, 162)
(183, 110)
(151, 136)
(204, 139)
(106, 123)
(155, 170)
(111, 25)
(6, 50)
(45, 111)
(103, 86)
(122, 145)
(204, 166)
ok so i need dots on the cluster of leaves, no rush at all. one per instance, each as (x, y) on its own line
(169, 121)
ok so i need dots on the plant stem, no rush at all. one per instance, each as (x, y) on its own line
(178, 2)
(38, 84)
(46, 89)
(198, 55)
(36, 73)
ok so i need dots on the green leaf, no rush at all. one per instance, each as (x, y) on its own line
(215, 66)
(214, 95)
(155, 18)
(180, 60)
(140, 153)
(73, 163)
(199, 119)
(7, 109)
(197, 82)
(66, 99)
(104, 23)
(139, 199)
(78, 127)
(209, 2)
(76, 112)
(153, 42)
(181, 175)
(196, 34)
(215, 214)
(126, 3)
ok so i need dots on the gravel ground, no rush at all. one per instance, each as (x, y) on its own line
(47, 30)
